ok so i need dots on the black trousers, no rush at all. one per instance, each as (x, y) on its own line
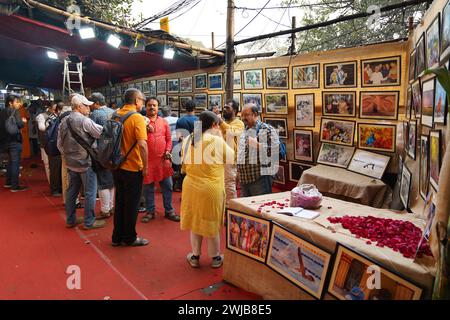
(54, 163)
(128, 193)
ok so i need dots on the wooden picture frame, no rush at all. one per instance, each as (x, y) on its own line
(380, 137)
(201, 101)
(428, 95)
(440, 104)
(424, 166)
(237, 96)
(306, 76)
(277, 78)
(411, 141)
(215, 81)
(335, 155)
(215, 100)
(379, 72)
(445, 32)
(173, 85)
(303, 141)
(296, 170)
(279, 124)
(405, 186)
(201, 81)
(416, 99)
(340, 75)
(337, 131)
(280, 176)
(433, 43)
(152, 84)
(173, 102)
(379, 105)
(420, 56)
(369, 164)
(435, 158)
(255, 98)
(183, 100)
(161, 86)
(186, 85)
(237, 80)
(162, 99)
(253, 79)
(339, 103)
(305, 110)
(276, 103)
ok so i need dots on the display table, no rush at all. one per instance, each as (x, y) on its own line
(258, 278)
(346, 185)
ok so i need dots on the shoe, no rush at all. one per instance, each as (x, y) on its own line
(139, 242)
(172, 216)
(56, 194)
(96, 225)
(7, 186)
(116, 244)
(217, 261)
(19, 188)
(142, 209)
(103, 215)
(149, 216)
(194, 261)
(77, 222)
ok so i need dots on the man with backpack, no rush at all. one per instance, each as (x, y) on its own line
(73, 128)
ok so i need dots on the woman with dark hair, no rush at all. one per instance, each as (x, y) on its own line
(203, 199)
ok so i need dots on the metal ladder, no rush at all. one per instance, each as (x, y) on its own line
(73, 78)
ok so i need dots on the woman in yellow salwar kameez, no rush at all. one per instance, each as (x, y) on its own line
(203, 199)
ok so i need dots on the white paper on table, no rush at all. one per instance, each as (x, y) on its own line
(299, 213)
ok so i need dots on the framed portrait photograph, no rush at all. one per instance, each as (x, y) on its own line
(200, 81)
(433, 43)
(183, 101)
(215, 100)
(253, 79)
(351, 271)
(162, 99)
(252, 98)
(369, 164)
(428, 102)
(186, 84)
(420, 56)
(296, 170)
(379, 105)
(337, 131)
(279, 124)
(306, 76)
(435, 158)
(279, 177)
(237, 81)
(335, 155)
(146, 87)
(381, 72)
(173, 102)
(302, 263)
(303, 145)
(276, 103)
(201, 101)
(340, 75)
(277, 78)
(161, 86)
(152, 87)
(412, 66)
(378, 137)
(416, 91)
(215, 81)
(424, 166)
(248, 235)
(445, 32)
(405, 186)
(173, 85)
(440, 104)
(411, 141)
(304, 110)
(339, 104)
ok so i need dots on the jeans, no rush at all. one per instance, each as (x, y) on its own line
(12, 171)
(149, 194)
(89, 181)
(55, 174)
(259, 187)
(128, 192)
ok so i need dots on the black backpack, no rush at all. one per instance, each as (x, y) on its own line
(51, 136)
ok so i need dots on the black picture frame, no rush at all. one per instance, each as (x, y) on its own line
(285, 125)
(303, 167)
(436, 23)
(406, 174)
(327, 67)
(424, 182)
(325, 112)
(362, 113)
(316, 74)
(270, 85)
(324, 120)
(397, 59)
(409, 152)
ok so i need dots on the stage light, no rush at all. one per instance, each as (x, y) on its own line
(169, 53)
(3, 91)
(87, 33)
(114, 41)
(52, 55)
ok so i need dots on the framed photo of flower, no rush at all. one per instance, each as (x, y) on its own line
(340, 75)
(381, 72)
(379, 105)
(378, 137)
(277, 78)
(435, 158)
(253, 79)
(339, 104)
(433, 43)
(306, 76)
(337, 131)
(304, 110)
(303, 145)
(335, 155)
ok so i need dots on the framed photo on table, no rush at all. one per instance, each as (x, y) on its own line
(253, 79)
(186, 84)
(435, 158)
(340, 75)
(433, 43)
(445, 32)
(378, 137)
(339, 104)
(428, 102)
(161, 86)
(304, 264)
(303, 145)
(276, 103)
(379, 105)
(248, 235)
(296, 170)
(306, 76)
(351, 271)
(304, 110)
(215, 81)
(277, 78)
(200, 81)
(405, 186)
(369, 164)
(424, 166)
(381, 72)
(173, 85)
(279, 124)
(335, 155)
(337, 131)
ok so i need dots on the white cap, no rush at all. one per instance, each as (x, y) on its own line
(78, 99)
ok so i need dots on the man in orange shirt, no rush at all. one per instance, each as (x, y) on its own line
(129, 177)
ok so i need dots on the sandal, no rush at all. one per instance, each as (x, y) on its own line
(103, 215)
(147, 218)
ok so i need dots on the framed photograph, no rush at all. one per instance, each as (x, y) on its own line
(252, 98)
(183, 101)
(201, 100)
(279, 177)
(248, 235)
(435, 158)
(405, 186)
(173, 102)
(118, 90)
(215, 81)
(304, 110)
(146, 87)
(113, 91)
(420, 56)
(215, 100)
(408, 103)
(138, 85)
(276, 103)
(253, 79)
(381, 72)
(296, 170)
(428, 102)
(237, 98)
(340, 75)
(186, 84)
(433, 43)
(305, 77)
(277, 78)
(335, 155)
(416, 91)
(424, 172)
(237, 82)
(201, 81)
(173, 85)
(369, 164)
(440, 104)
(412, 66)
(379, 105)
(379, 137)
(152, 86)
(161, 86)
(339, 104)
(162, 99)
(351, 271)
(299, 261)
(411, 139)
(279, 124)
(337, 131)
(303, 145)
(445, 32)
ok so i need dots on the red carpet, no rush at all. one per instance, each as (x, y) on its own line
(36, 250)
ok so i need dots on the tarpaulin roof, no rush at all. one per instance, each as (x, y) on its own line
(23, 56)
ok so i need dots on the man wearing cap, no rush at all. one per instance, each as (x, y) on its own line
(73, 128)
